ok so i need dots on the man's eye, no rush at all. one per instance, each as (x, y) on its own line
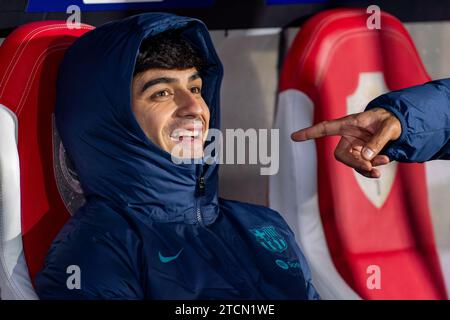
(161, 94)
(196, 90)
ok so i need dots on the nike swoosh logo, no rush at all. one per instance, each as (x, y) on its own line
(164, 259)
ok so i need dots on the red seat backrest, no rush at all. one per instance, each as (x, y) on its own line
(332, 60)
(29, 60)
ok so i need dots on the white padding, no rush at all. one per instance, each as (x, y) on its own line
(438, 186)
(293, 193)
(14, 278)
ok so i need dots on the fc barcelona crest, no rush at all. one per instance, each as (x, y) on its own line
(269, 238)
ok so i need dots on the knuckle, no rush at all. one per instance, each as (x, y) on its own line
(376, 145)
(355, 120)
(338, 155)
(323, 127)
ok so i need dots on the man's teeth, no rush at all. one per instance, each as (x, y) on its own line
(185, 133)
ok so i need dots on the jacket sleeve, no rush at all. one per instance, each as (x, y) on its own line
(311, 291)
(93, 267)
(424, 114)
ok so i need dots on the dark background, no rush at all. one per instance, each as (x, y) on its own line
(237, 14)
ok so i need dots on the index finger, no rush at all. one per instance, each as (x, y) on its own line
(322, 129)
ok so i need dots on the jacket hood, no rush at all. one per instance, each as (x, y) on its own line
(113, 157)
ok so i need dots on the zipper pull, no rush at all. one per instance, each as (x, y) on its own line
(201, 186)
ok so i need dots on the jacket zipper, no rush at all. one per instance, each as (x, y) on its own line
(200, 193)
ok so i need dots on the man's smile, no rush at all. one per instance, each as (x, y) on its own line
(191, 133)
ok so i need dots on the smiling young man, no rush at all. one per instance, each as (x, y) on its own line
(155, 105)
(130, 94)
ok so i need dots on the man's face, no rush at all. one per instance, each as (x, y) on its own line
(169, 108)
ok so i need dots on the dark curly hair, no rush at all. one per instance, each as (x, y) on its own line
(167, 50)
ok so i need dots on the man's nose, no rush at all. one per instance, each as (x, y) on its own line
(189, 105)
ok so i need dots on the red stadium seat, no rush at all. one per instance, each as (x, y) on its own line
(31, 208)
(364, 238)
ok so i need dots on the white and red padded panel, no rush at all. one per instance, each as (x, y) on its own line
(31, 208)
(363, 238)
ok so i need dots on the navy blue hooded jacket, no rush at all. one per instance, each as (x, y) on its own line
(146, 232)
(424, 113)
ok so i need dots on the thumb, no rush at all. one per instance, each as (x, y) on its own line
(378, 141)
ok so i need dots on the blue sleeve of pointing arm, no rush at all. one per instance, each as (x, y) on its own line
(424, 114)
